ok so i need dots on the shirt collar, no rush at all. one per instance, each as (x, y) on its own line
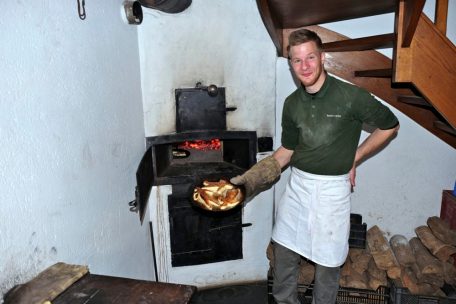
(322, 92)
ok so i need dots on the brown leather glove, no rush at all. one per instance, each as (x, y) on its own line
(259, 178)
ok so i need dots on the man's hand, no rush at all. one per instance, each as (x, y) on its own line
(372, 143)
(352, 175)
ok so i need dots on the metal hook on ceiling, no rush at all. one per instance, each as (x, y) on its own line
(81, 9)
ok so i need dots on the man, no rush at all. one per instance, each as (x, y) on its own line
(321, 127)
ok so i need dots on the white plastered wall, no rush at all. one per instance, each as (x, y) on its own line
(72, 134)
(213, 42)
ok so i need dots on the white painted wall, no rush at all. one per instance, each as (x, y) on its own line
(400, 187)
(72, 134)
(215, 42)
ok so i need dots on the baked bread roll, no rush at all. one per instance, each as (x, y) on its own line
(218, 196)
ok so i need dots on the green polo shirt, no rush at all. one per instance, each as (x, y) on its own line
(323, 129)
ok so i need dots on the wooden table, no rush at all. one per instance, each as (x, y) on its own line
(98, 289)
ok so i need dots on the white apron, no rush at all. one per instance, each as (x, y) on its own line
(313, 217)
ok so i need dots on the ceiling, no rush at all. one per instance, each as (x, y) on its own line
(299, 13)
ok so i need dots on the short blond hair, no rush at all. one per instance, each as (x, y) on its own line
(302, 36)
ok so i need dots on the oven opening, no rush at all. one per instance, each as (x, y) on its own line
(181, 159)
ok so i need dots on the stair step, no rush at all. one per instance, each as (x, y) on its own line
(361, 44)
(414, 100)
(380, 73)
(444, 127)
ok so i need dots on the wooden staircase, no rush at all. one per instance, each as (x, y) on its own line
(420, 78)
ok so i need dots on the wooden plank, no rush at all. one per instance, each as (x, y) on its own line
(105, 289)
(441, 15)
(414, 100)
(402, 68)
(385, 73)
(429, 64)
(361, 44)
(434, 66)
(413, 9)
(444, 127)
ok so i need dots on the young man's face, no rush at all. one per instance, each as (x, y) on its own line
(307, 63)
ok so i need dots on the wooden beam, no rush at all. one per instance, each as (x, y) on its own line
(361, 44)
(272, 25)
(441, 14)
(381, 73)
(413, 9)
(414, 100)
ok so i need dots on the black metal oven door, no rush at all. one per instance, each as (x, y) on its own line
(144, 182)
(200, 109)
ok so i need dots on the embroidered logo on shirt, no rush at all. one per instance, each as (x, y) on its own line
(334, 115)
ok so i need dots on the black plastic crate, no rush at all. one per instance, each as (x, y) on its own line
(400, 295)
(344, 295)
(357, 238)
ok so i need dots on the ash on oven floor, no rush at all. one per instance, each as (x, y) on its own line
(253, 293)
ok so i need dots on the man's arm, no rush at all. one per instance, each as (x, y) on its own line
(264, 173)
(282, 156)
(371, 144)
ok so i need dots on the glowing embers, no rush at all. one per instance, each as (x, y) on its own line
(204, 145)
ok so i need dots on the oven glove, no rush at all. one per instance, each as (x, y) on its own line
(259, 178)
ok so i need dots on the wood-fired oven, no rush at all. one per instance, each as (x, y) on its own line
(201, 149)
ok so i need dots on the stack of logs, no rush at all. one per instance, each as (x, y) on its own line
(422, 264)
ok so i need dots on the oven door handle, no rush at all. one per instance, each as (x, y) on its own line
(230, 227)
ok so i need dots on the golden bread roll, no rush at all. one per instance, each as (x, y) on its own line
(216, 196)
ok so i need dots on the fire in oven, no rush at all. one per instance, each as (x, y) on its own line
(201, 149)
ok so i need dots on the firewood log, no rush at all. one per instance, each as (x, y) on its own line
(436, 279)
(402, 251)
(439, 293)
(380, 249)
(357, 280)
(449, 273)
(394, 272)
(346, 269)
(353, 253)
(427, 263)
(343, 281)
(376, 272)
(428, 290)
(409, 278)
(442, 230)
(411, 282)
(433, 279)
(306, 273)
(360, 262)
(375, 283)
(439, 249)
